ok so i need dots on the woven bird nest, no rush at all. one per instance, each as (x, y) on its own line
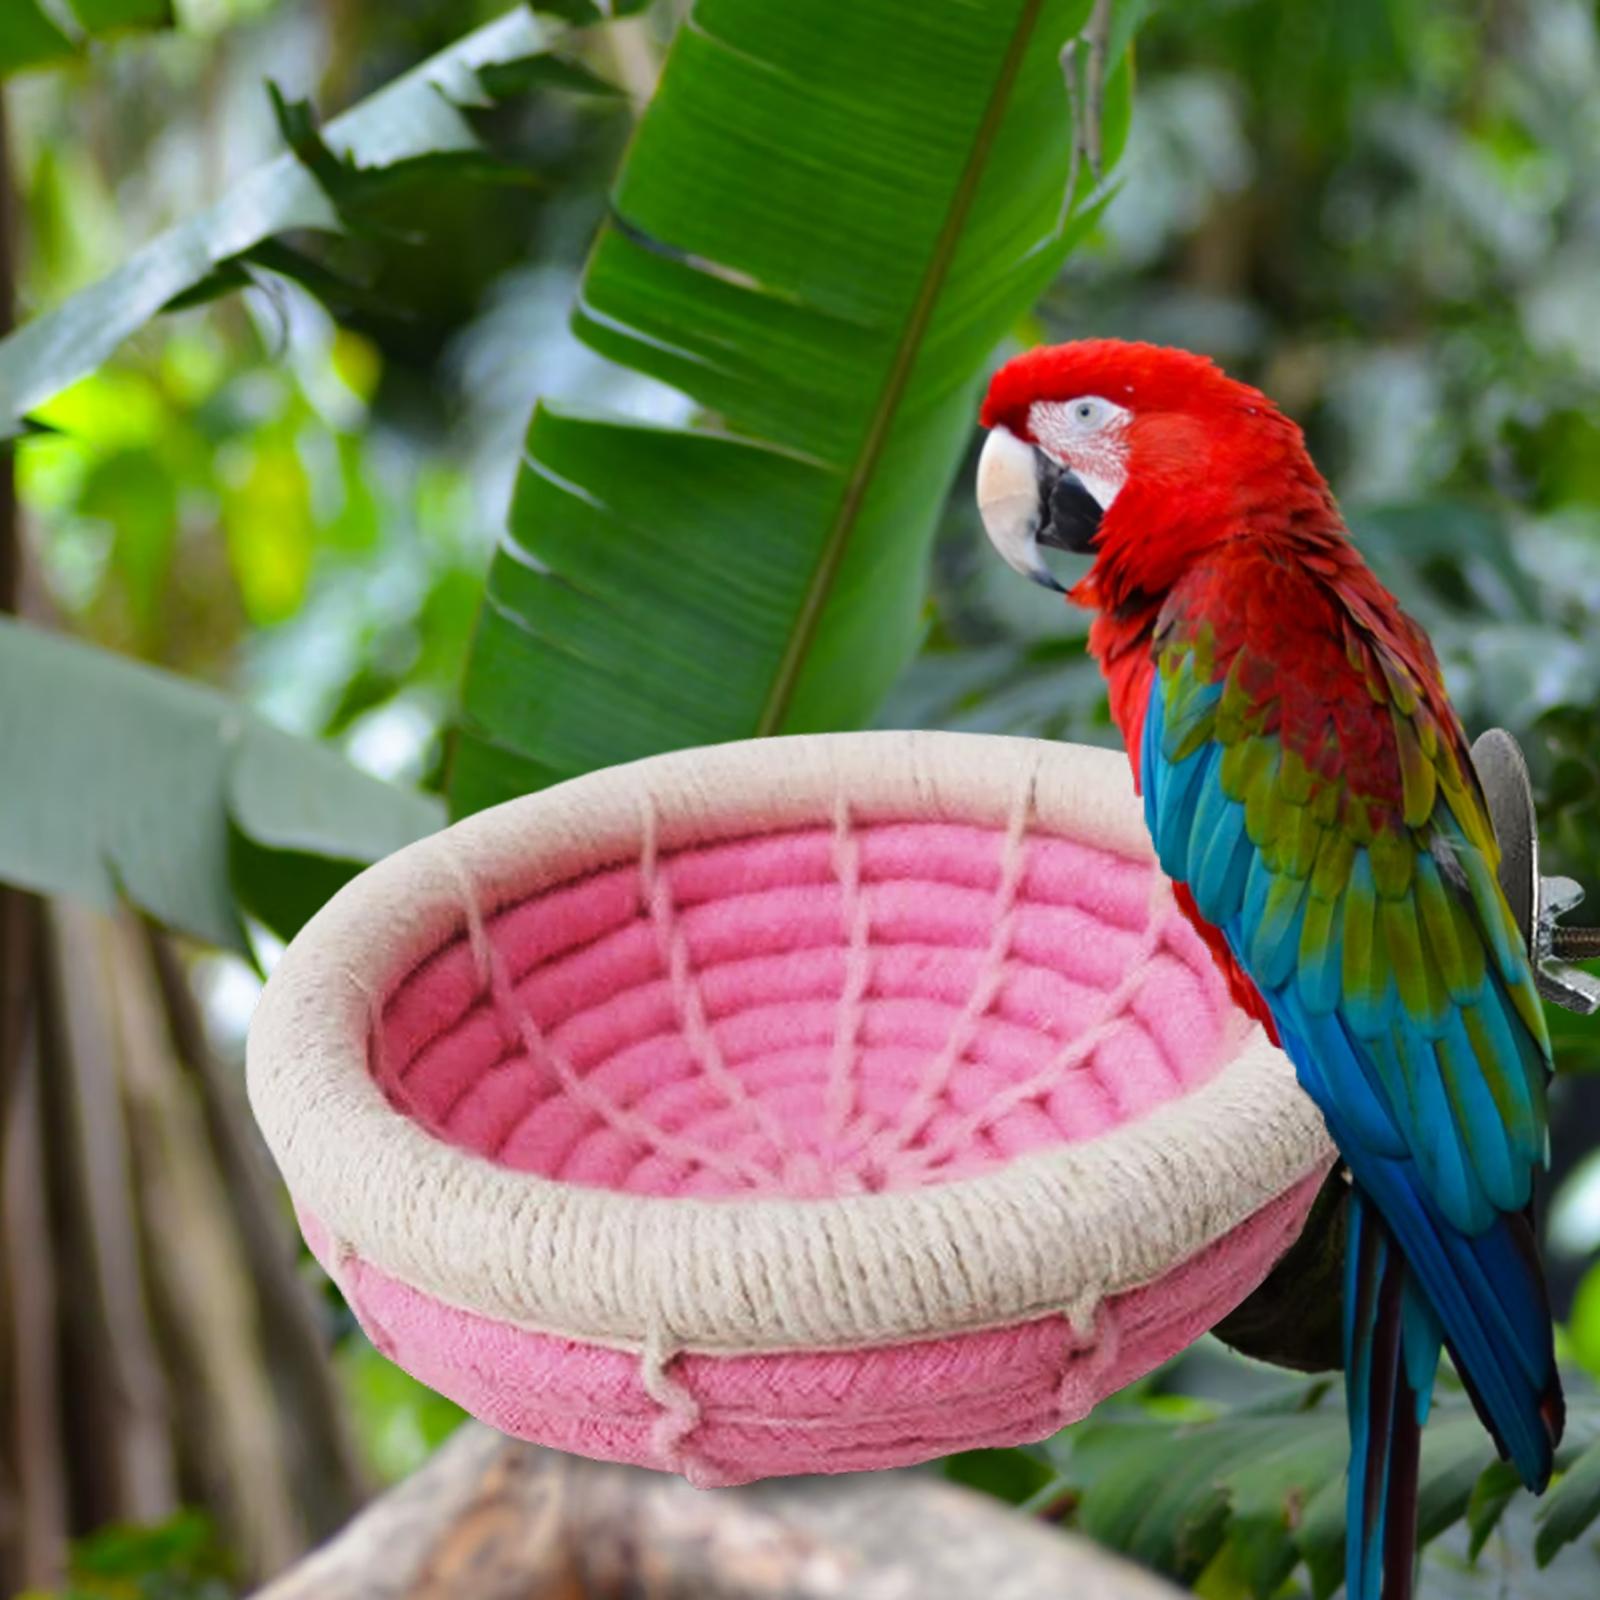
(806, 1105)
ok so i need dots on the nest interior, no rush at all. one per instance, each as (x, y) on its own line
(807, 1012)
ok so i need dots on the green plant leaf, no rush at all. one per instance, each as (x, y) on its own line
(1259, 1489)
(548, 70)
(30, 38)
(1572, 1506)
(182, 1558)
(138, 785)
(34, 34)
(828, 219)
(1013, 1475)
(1249, 1473)
(1491, 1494)
(106, 16)
(427, 114)
(582, 12)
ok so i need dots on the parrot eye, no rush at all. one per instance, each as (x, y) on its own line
(1089, 412)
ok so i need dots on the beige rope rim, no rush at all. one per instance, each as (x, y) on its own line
(1053, 1231)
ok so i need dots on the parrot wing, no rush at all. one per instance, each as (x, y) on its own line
(1305, 777)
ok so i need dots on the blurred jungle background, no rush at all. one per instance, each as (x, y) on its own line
(288, 486)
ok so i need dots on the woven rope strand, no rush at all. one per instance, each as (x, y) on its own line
(1163, 920)
(843, 1086)
(1110, 1016)
(680, 1410)
(539, 1050)
(935, 1078)
(377, 1042)
(688, 999)
(1092, 1353)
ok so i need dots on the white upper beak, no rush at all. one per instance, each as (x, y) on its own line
(1008, 502)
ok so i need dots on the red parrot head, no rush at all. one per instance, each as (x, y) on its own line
(1141, 455)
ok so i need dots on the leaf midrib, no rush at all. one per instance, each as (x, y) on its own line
(780, 696)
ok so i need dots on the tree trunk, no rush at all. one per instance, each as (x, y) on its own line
(158, 1346)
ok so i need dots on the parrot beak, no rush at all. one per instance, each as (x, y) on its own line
(1026, 500)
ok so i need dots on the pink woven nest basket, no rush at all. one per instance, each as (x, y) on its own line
(807, 1105)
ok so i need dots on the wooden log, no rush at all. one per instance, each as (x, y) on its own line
(499, 1520)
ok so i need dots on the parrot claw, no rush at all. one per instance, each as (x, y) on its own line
(1536, 902)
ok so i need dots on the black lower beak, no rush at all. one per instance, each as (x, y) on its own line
(1069, 516)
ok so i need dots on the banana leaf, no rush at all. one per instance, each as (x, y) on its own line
(830, 216)
(123, 783)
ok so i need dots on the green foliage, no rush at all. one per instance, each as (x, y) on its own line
(826, 283)
(582, 11)
(1584, 1326)
(145, 454)
(398, 1421)
(33, 34)
(1016, 1476)
(146, 787)
(179, 1559)
(1236, 1500)
(427, 116)
(1572, 1508)
(29, 37)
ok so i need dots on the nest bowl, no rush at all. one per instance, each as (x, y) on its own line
(805, 1105)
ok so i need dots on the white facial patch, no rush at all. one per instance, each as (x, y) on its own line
(1088, 434)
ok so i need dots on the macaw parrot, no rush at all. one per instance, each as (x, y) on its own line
(1308, 789)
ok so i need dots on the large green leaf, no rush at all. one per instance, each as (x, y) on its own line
(122, 782)
(425, 115)
(831, 213)
(34, 34)
(1234, 1502)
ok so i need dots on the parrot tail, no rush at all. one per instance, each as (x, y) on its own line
(1391, 1349)
(1485, 1291)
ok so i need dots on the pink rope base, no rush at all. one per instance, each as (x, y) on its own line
(724, 1420)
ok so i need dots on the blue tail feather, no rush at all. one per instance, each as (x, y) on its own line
(1486, 1289)
(1390, 1356)
(1487, 1295)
